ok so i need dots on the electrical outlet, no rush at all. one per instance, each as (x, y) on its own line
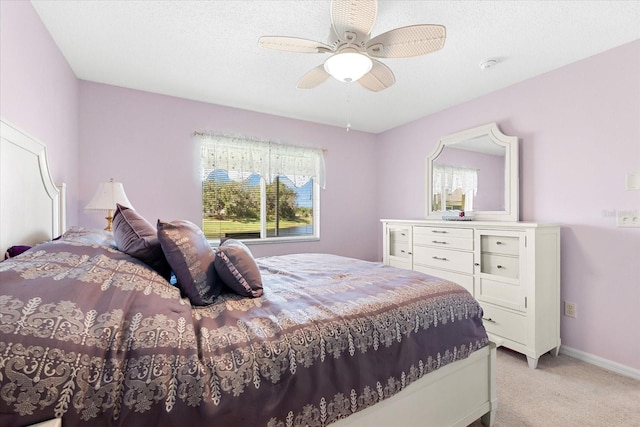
(628, 218)
(569, 309)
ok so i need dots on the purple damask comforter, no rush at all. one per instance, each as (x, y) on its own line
(94, 336)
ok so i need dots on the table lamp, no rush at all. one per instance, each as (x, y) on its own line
(108, 194)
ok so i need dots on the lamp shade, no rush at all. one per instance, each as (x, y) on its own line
(348, 65)
(108, 194)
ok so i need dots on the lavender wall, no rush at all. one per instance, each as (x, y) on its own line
(39, 91)
(146, 141)
(579, 130)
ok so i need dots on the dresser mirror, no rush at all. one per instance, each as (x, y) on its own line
(475, 171)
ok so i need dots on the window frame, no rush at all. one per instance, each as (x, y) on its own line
(263, 239)
(288, 239)
(317, 180)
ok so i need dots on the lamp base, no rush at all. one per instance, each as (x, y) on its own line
(109, 219)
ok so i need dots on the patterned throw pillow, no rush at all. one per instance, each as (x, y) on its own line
(135, 236)
(237, 268)
(190, 256)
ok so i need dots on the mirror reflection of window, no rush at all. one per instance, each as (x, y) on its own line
(489, 194)
(454, 187)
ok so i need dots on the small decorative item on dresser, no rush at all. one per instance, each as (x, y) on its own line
(456, 215)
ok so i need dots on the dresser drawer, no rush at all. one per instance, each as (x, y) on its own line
(399, 249)
(399, 242)
(443, 258)
(400, 263)
(503, 245)
(505, 324)
(464, 280)
(451, 238)
(466, 233)
(499, 265)
(505, 294)
(399, 234)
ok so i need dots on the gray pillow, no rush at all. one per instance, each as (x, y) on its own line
(135, 236)
(237, 268)
(190, 256)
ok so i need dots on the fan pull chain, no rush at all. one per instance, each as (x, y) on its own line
(348, 110)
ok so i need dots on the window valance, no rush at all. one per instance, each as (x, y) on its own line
(451, 177)
(242, 156)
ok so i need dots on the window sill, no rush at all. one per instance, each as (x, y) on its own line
(270, 240)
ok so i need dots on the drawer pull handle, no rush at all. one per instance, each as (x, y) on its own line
(501, 267)
(477, 264)
(490, 320)
(499, 243)
(402, 251)
(440, 258)
(439, 231)
(438, 242)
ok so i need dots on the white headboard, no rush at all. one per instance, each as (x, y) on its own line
(32, 207)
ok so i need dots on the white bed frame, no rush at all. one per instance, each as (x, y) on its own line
(454, 395)
(32, 211)
(32, 207)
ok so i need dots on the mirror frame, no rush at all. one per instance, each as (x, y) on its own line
(511, 172)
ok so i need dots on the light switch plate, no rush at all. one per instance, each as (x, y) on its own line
(629, 218)
(633, 181)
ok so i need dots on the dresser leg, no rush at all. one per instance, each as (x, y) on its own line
(489, 419)
(555, 351)
(533, 362)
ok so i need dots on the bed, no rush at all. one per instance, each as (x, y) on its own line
(93, 336)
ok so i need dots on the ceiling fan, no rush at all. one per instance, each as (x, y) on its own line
(352, 49)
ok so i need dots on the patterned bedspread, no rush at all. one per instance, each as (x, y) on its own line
(91, 335)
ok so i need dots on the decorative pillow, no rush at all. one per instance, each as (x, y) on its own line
(233, 242)
(135, 236)
(214, 283)
(14, 251)
(190, 256)
(237, 268)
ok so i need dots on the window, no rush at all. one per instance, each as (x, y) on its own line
(454, 187)
(259, 190)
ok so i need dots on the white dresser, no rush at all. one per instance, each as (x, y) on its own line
(512, 269)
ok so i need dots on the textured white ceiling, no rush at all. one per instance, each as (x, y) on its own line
(207, 51)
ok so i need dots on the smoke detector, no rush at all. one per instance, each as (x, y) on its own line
(488, 63)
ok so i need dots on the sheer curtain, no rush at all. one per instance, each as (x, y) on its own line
(448, 178)
(242, 156)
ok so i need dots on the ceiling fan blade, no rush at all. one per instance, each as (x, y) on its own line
(408, 41)
(293, 44)
(353, 16)
(380, 77)
(313, 78)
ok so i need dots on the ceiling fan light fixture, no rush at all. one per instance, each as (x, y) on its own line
(354, 52)
(348, 65)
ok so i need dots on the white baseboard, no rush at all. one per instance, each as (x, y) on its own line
(601, 362)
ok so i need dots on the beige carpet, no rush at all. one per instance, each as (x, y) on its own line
(563, 392)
